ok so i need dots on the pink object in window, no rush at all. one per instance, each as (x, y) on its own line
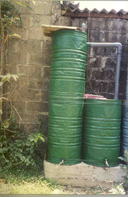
(93, 96)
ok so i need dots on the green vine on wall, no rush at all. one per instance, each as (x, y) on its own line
(16, 150)
(9, 17)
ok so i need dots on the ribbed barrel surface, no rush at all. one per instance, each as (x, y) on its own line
(124, 144)
(101, 142)
(124, 131)
(66, 92)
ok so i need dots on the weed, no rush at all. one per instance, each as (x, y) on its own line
(125, 160)
(18, 151)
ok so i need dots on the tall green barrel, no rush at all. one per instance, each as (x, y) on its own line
(66, 90)
(101, 142)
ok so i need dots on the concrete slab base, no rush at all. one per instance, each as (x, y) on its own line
(84, 175)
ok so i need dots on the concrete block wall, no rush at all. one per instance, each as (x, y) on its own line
(31, 55)
(101, 61)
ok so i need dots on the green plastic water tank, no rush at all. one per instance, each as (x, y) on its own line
(66, 90)
(68, 62)
(101, 142)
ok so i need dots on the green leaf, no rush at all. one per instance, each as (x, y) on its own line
(28, 144)
(122, 165)
(15, 77)
(33, 2)
(1, 150)
(29, 7)
(42, 139)
(5, 149)
(21, 74)
(14, 35)
(31, 151)
(121, 158)
(20, 3)
(22, 157)
(4, 142)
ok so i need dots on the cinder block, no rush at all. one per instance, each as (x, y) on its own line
(94, 36)
(34, 71)
(13, 45)
(34, 20)
(41, 7)
(100, 24)
(75, 22)
(103, 51)
(116, 37)
(94, 62)
(13, 59)
(36, 58)
(22, 58)
(35, 46)
(45, 19)
(22, 69)
(47, 59)
(28, 128)
(34, 83)
(124, 63)
(46, 72)
(21, 82)
(103, 62)
(44, 95)
(110, 63)
(66, 21)
(47, 47)
(56, 12)
(30, 94)
(23, 46)
(36, 33)
(120, 25)
(23, 32)
(29, 118)
(122, 38)
(37, 107)
(96, 24)
(25, 20)
(44, 123)
(102, 74)
(12, 70)
(124, 50)
(19, 105)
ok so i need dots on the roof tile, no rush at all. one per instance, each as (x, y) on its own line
(104, 11)
(112, 12)
(75, 9)
(94, 11)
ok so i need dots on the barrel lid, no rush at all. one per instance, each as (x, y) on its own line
(48, 29)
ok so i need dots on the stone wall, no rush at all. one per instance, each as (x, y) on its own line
(31, 55)
(101, 61)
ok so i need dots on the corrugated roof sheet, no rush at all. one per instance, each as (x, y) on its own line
(74, 8)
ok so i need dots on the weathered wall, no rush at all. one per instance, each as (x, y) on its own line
(101, 62)
(31, 55)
